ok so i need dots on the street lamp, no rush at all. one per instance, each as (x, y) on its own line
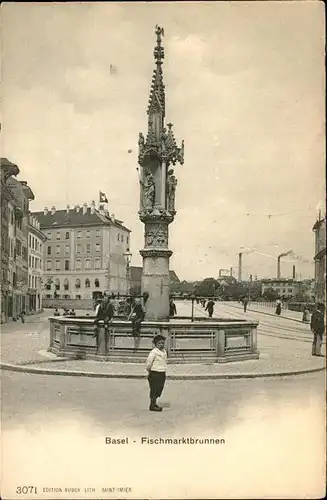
(128, 258)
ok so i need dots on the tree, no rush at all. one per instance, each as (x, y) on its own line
(270, 294)
(207, 288)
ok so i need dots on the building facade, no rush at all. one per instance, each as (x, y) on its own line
(8, 170)
(320, 259)
(84, 254)
(36, 240)
(15, 198)
(286, 288)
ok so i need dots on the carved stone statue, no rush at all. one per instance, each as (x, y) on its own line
(171, 190)
(141, 143)
(148, 191)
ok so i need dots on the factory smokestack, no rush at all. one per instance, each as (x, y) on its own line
(231, 271)
(294, 276)
(240, 267)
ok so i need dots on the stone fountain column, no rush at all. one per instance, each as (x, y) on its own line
(157, 193)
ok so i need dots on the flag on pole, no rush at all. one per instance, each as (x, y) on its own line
(102, 197)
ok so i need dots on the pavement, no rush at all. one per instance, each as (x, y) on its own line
(284, 350)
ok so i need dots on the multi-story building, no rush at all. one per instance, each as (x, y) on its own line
(8, 169)
(287, 288)
(18, 241)
(320, 259)
(85, 252)
(36, 241)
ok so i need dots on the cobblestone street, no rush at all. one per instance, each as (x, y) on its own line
(267, 425)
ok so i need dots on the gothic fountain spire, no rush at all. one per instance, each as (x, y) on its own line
(157, 153)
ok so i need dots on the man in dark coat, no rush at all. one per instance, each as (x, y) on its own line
(105, 313)
(209, 307)
(317, 327)
(172, 308)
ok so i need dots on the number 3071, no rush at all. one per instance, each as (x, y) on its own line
(24, 490)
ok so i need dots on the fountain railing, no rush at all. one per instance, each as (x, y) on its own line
(199, 341)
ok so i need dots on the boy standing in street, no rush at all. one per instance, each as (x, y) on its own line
(156, 366)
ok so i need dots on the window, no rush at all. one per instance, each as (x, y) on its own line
(57, 265)
(87, 283)
(79, 234)
(88, 248)
(290, 290)
(97, 233)
(57, 284)
(30, 261)
(127, 239)
(49, 236)
(67, 235)
(78, 296)
(78, 283)
(49, 251)
(284, 290)
(49, 266)
(58, 236)
(118, 237)
(78, 264)
(30, 240)
(122, 238)
(66, 265)
(97, 247)
(87, 264)
(48, 296)
(58, 249)
(67, 249)
(79, 248)
(29, 281)
(66, 284)
(96, 283)
(25, 252)
(97, 263)
(88, 234)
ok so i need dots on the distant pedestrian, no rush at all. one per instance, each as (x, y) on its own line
(104, 313)
(210, 307)
(22, 316)
(278, 308)
(245, 303)
(156, 366)
(317, 327)
(172, 308)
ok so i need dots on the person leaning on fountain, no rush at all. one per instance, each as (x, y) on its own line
(105, 313)
(156, 366)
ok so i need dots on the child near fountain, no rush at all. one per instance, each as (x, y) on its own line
(156, 365)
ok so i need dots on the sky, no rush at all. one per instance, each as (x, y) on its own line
(244, 89)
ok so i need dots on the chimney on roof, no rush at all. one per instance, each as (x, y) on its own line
(77, 208)
(53, 210)
(67, 209)
(92, 207)
(84, 208)
(46, 211)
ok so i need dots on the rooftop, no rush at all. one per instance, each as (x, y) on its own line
(76, 217)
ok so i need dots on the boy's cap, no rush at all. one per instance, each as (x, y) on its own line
(157, 338)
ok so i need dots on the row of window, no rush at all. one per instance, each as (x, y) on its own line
(34, 243)
(79, 249)
(34, 262)
(78, 284)
(86, 234)
(80, 234)
(33, 281)
(64, 296)
(78, 264)
(279, 289)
